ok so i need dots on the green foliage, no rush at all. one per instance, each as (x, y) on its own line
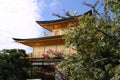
(97, 41)
(14, 64)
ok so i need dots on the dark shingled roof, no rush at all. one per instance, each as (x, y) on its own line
(40, 38)
(60, 20)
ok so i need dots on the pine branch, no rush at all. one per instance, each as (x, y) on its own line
(103, 59)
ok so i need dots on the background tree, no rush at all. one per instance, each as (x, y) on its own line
(97, 41)
(14, 64)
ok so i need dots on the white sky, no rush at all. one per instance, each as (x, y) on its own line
(17, 20)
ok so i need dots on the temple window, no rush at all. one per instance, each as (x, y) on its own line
(56, 32)
(59, 31)
(47, 34)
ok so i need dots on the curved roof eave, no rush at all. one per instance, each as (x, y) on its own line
(40, 38)
(61, 20)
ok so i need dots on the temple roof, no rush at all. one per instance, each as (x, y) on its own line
(42, 41)
(59, 23)
(49, 40)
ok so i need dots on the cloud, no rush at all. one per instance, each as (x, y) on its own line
(54, 4)
(17, 20)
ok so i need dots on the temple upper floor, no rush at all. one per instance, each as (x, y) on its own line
(55, 27)
(59, 26)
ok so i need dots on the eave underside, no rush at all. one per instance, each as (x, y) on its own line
(44, 41)
(55, 25)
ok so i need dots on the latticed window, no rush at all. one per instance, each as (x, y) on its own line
(56, 32)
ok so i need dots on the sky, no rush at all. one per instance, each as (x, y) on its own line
(17, 18)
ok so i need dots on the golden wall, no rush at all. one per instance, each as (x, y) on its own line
(39, 51)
